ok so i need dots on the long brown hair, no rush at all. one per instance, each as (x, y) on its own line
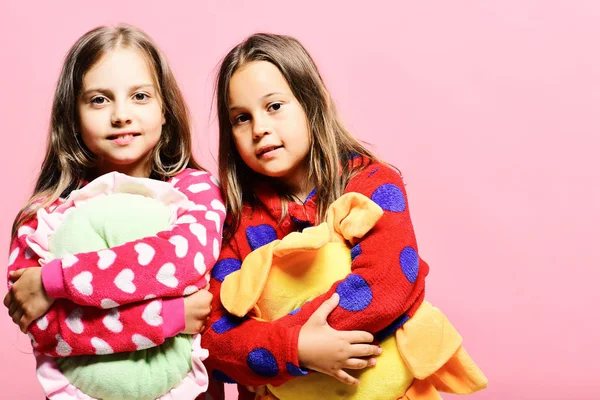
(68, 162)
(331, 144)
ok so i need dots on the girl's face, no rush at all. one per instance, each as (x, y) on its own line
(270, 127)
(120, 112)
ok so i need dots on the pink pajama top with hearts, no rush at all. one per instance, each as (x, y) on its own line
(128, 297)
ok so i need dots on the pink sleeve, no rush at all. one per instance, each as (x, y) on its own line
(69, 329)
(170, 264)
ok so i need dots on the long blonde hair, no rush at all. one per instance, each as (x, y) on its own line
(68, 163)
(331, 144)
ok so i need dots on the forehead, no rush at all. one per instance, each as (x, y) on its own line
(120, 67)
(255, 80)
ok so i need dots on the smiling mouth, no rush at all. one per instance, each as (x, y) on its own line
(267, 149)
(123, 136)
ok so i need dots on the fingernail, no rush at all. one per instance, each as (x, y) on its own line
(11, 273)
(357, 383)
(379, 350)
(372, 362)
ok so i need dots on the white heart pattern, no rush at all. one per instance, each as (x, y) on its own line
(13, 256)
(214, 180)
(149, 296)
(217, 205)
(142, 342)
(106, 258)
(62, 348)
(198, 173)
(108, 303)
(124, 281)
(111, 321)
(42, 323)
(145, 253)
(25, 230)
(69, 260)
(216, 248)
(200, 232)
(189, 290)
(199, 187)
(186, 219)
(101, 346)
(181, 245)
(74, 320)
(83, 283)
(214, 216)
(199, 263)
(166, 275)
(198, 207)
(29, 254)
(152, 315)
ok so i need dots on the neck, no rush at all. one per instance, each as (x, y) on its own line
(141, 169)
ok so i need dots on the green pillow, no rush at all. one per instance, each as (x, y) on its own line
(100, 223)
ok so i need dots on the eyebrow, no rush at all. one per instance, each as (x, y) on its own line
(103, 90)
(264, 97)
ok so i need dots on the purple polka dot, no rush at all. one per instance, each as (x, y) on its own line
(260, 235)
(225, 267)
(391, 328)
(263, 362)
(389, 197)
(226, 323)
(409, 261)
(355, 252)
(355, 293)
(222, 377)
(295, 371)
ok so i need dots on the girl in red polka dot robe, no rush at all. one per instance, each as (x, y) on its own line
(284, 158)
(117, 108)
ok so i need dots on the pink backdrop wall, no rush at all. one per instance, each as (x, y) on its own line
(490, 108)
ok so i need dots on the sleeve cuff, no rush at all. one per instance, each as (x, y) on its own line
(52, 279)
(173, 313)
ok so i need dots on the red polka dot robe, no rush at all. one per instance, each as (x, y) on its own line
(127, 308)
(385, 287)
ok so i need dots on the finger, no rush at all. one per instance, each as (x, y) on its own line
(24, 323)
(16, 274)
(8, 299)
(250, 389)
(357, 336)
(346, 378)
(363, 350)
(261, 391)
(356, 363)
(320, 315)
(12, 308)
(17, 315)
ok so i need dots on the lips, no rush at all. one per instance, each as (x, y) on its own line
(123, 135)
(265, 149)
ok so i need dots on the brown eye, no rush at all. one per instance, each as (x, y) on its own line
(241, 119)
(98, 100)
(141, 96)
(275, 106)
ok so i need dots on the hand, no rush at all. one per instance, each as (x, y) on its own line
(197, 309)
(259, 390)
(326, 350)
(27, 299)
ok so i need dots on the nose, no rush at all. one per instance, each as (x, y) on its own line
(121, 114)
(260, 127)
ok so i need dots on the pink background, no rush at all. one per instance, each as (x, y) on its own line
(488, 107)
